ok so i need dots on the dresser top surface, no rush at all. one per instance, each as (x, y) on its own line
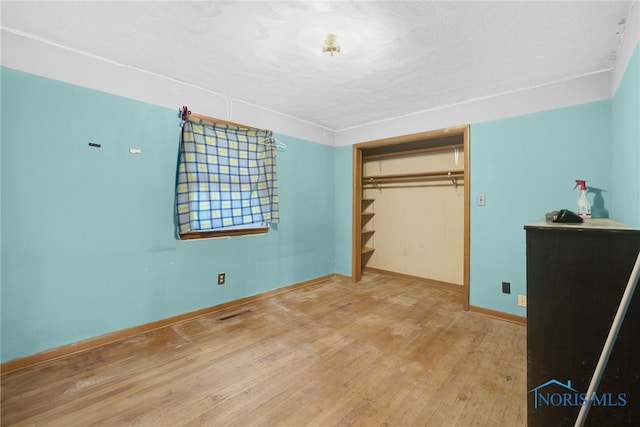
(588, 224)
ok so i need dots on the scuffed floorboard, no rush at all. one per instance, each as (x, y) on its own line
(380, 352)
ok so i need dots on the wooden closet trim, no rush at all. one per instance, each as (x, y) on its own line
(356, 255)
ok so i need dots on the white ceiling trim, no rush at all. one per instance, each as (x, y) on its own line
(433, 64)
(629, 43)
(61, 63)
(503, 95)
(589, 88)
(73, 67)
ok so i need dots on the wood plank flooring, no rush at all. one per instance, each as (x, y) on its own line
(383, 352)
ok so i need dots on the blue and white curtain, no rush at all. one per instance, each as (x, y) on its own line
(226, 177)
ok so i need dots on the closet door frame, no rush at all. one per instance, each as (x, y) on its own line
(426, 137)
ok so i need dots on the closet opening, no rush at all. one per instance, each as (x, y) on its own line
(411, 205)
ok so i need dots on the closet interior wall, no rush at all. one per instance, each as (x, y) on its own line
(416, 221)
(411, 208)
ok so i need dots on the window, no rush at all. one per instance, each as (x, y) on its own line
(226, 183)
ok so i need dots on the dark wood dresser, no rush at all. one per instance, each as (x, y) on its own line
(576, 276)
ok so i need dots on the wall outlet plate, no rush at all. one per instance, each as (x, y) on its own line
(506, 287)
(522, 300)
(221, 277)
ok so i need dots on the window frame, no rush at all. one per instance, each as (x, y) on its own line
(194, 235)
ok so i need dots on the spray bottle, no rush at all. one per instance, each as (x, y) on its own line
(584, 208)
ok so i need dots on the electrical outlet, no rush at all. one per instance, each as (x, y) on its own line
(221, 277)
(506, 287)
(481, 200)
(522, 300)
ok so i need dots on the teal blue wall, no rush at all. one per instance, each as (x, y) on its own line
(526, 166)
(88, 242)
(343, 202)
(625, 166)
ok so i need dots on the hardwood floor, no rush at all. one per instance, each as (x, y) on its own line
(384, 351)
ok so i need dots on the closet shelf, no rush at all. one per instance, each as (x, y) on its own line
(413, 176)
(363, 232)
(367, 250)
(368, 214)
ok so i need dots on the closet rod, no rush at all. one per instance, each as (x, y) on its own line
(413, 176)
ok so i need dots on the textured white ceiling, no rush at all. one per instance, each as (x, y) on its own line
(413, 55)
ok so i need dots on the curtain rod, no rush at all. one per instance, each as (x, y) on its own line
(186, 113)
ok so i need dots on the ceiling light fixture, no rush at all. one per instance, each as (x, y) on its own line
(331, 44)
(335, 40)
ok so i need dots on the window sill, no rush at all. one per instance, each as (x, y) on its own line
(223, 233)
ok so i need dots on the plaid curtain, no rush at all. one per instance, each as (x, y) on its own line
(226, 177)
